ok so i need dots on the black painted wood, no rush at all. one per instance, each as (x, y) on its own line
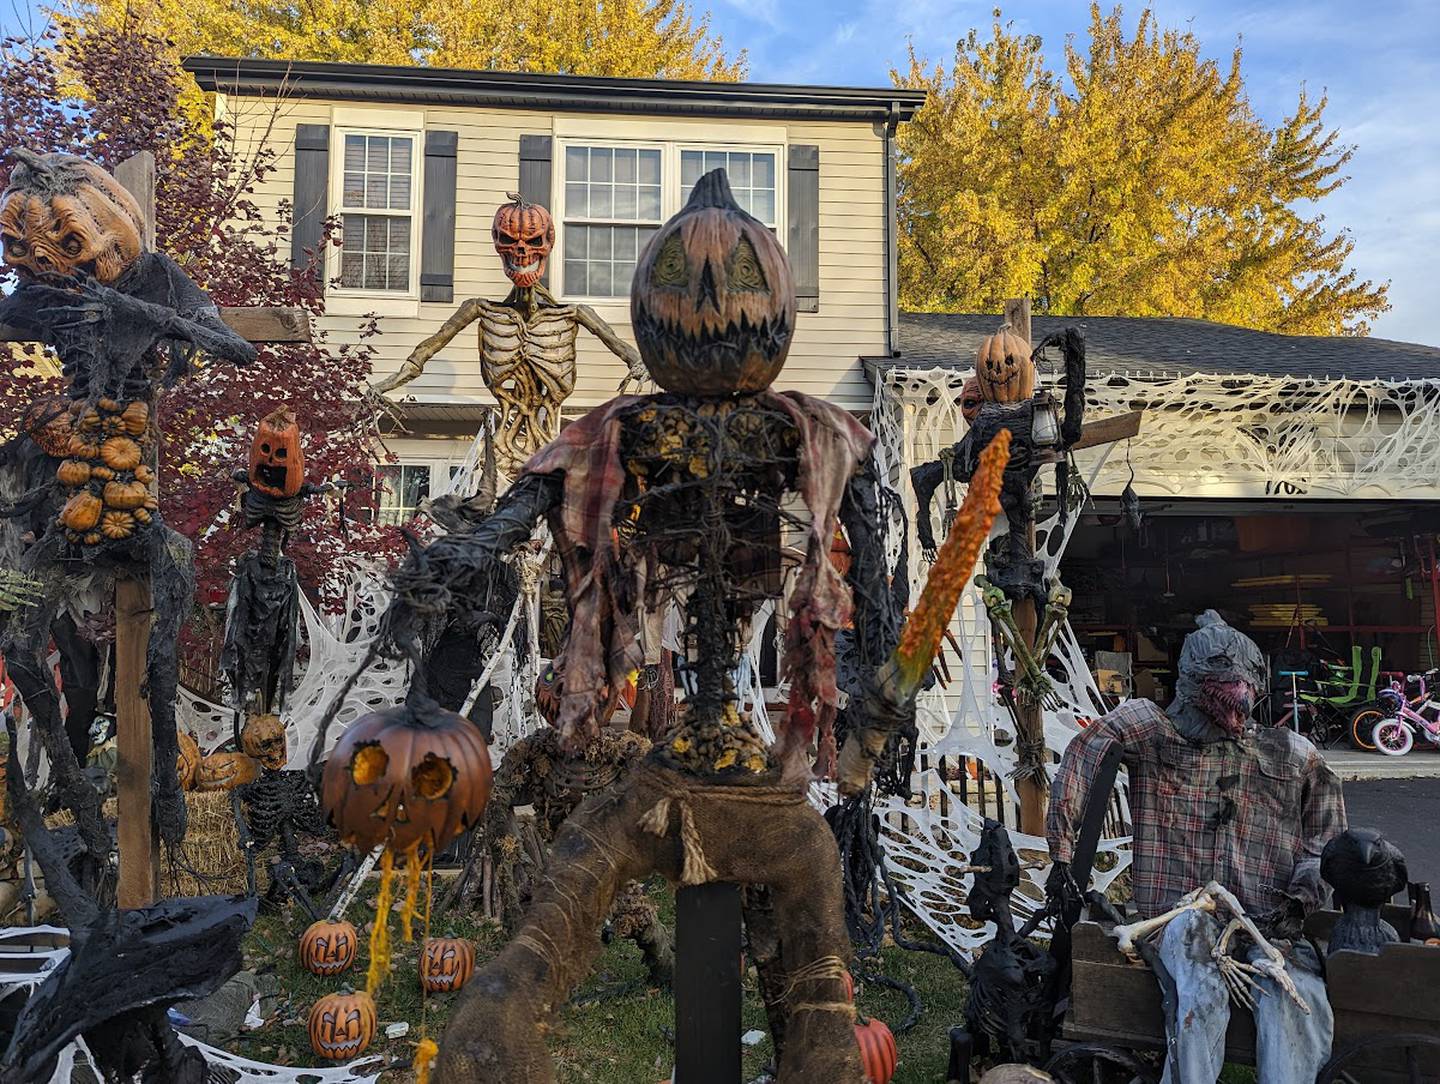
(707, 984)
(311, 193)
(437, 221)
(803, 232)
(536, 167)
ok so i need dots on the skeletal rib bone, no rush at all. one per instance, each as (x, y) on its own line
(1238, 975)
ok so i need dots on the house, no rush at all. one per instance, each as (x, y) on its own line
(415, 161)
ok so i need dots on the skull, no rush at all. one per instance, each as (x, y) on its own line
(523, 234)
(263, 738)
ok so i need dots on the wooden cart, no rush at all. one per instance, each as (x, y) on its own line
(1387, 1014)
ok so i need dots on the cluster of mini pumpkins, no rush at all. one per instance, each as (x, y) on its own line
(103, 469)
(262, 744)
(342, 1025)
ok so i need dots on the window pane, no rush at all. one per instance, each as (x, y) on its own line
(354, 152)
(601, 240)
(400, 235)
(624, 202)
(625, 166)
(625, 244)
(691, 163)
(739, 169)
(649, 167)
(378, 154)
(714, 160)
(400, 192)
(352, 270)
(377, 234)
(601, 163)
(601, 203)
(601, 280)
(400, 156)
(577, 161)
(353, 235)
(575, 282)
(377, 191)
(575, 238)
(354, 193)
(763, 171)
(416, 484)
(649, 208)
(762, 205)
(577, 200)
(374, 272)
(399, 273)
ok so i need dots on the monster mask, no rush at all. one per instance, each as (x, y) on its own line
(524, 234)
(63, 216)
(1222, 674)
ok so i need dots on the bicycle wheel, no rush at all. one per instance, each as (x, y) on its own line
(1362, 728)
(1392, 737)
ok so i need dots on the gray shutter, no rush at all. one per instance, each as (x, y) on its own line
(803, 208)
(535, 165)
(311, 195)
(437, 228)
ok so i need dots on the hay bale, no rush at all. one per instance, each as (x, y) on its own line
(1015, 1074)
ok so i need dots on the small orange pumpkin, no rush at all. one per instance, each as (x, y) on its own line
(142, 515)
(341, 1026)
(187, 758)
(328, 948)
(116, 525)
(73, 473)
(81, 448)
(101, 473)
(92, 538)
(135, 417)
(277, 460)
(144, 474)
(120, 453)
(446, 964)
(878, 1054)
(225, 771)
(126, 495)
(1004, 369)
(82, 511)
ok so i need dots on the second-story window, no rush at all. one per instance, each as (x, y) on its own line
(612, 206)
(377, 203)
(751, 175)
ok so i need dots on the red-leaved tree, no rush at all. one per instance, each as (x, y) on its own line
(106, 96)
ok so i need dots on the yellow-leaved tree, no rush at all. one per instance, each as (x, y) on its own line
(636, 38)
(1137, 182)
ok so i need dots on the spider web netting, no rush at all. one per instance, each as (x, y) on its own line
(916, 414)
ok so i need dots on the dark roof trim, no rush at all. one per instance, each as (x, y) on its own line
(569, 93)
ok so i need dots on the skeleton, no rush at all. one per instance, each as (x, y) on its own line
(1239, 976)
(1032, 684)
(527, 341)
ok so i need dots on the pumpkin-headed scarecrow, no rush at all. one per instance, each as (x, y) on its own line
(527, 341)
(701, 476)
(122, 319)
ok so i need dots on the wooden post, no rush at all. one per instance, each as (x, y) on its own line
(707, 984)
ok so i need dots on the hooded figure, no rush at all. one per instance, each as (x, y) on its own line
(1222, 676)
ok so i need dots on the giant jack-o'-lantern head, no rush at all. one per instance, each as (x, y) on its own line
(1004, 369)
(713, 302)
(524, 234)
(61, 216)
(277, 458)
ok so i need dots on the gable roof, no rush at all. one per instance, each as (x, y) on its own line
(531, 90)
(1133, 344)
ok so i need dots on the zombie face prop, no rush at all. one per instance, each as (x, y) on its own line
(1222, 674)
(524, 234)
(264, 739)
(63, 216)
(713, 303)
(970, 399)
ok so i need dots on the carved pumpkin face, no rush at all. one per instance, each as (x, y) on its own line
(225, 771)
(412, 774)
(1004, 369)
(328, 948)
(970, 399)
(342, 1025)
(446, 964)
(524, 234)
(62, 216)
(713, 301)
(263, 738)
(277, 461)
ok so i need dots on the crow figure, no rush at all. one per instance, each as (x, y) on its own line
(1365, 870)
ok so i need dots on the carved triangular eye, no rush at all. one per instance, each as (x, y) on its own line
(743, 274)
(671, 270)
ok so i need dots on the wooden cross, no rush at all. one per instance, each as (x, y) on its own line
(1028, 718)
(134, 610)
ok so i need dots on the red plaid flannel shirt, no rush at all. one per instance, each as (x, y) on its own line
(1252, 814)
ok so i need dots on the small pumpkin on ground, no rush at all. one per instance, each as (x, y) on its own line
(225, 771)
(878, 1053)
(341, 1026)
(328, 948)
(446, 964)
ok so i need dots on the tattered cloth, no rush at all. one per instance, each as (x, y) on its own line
(603, 648)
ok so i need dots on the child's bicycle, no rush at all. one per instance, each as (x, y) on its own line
(1406, 691)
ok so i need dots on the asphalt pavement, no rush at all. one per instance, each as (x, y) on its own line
(1407, 811)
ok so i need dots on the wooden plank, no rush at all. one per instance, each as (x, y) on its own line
(1386, 985)
(1108, 430)
(135, 747)
(263, 324)
(137, 174)
(707, 984)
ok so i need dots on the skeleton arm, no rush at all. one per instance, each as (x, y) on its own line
(414, 365)
(590, 320)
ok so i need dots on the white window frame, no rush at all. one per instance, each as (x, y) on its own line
(337, 197)
(670, 148)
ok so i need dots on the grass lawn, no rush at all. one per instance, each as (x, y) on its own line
(615, 1031)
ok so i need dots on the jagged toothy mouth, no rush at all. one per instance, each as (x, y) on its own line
(531, 268)
(443, 982)
(351, 1046)
(768, 338)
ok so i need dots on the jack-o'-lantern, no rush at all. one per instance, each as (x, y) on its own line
(524, 234)
(47, 423)
(225, 771)
(62, 216)
(446, 964)
(263, 738)
(277, 461)
(341, 1026)
(1003, 368)
(187, 758)
(328, 948)
(878, 1054)
(713, 301)
(411, 774)
(970, 399)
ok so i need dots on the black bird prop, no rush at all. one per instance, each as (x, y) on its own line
(1365, 870)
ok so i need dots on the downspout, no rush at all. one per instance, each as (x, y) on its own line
(892, 245)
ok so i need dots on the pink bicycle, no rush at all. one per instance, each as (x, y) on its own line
(1395, 735)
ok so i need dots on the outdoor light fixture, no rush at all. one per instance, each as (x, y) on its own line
(1045, 421)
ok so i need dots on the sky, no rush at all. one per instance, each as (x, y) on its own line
(1379, 62)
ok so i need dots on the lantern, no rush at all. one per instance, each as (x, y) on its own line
(63, 216)
(1045, 422)
(1003, 368)
(263, 738)
(713, 300)
(524, 234)
(446, 964)
(341, 1026)
(277, 461)
(328, 948)
(414, 774)
(878, 1054)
